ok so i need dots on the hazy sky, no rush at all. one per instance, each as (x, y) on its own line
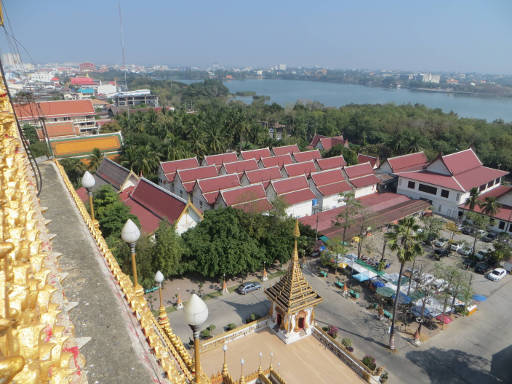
(458, 35)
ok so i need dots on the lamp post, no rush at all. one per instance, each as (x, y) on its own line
(259, 368)
(162, 318)
(130, 234)
(242, 378)
(271, 356)
(88, 183)
(196, 313)
(225, 365)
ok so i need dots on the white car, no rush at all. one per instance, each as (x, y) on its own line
(455, 247)
(496, 274)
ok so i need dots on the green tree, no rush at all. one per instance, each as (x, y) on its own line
(489, 206)
(472, 200)
(95, 160)
(478, 223)
(431, 228)
(168, 251)
(347, 216)
(75, 169)
(30, 133)
(403, 240)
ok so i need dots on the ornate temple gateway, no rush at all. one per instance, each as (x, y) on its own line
(293, 301)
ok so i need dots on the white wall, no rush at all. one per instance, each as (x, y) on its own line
(330, 202)
(506, 199)
(360, 192)
(178, 188)
(187, 221)
(438, 167)
(384, 168)
(198, 199)
(300, 209)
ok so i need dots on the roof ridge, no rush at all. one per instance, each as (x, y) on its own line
(172, 161)
(407, 154)
(241, 186)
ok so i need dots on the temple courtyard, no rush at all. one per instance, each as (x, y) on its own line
(304, 361)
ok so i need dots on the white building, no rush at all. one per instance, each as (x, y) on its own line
(295, 193)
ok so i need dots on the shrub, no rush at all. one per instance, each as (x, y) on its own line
(332, 331)
(252, 317)
(211, 327)
(346, 342)
(369, 361)
(325, 329)
(205, 334)
(230, 327)
(384, 377)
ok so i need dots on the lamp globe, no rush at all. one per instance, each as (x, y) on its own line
(130, 233)
(196, 311)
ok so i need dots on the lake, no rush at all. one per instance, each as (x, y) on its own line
(287, 92)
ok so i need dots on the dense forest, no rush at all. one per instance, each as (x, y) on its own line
(218, 123)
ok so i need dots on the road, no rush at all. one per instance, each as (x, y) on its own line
(475, 349)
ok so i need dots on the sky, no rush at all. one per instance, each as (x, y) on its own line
(435, 35)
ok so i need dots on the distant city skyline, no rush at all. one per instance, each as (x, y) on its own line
(440, 36)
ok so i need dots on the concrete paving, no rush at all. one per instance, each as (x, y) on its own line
(117, 352)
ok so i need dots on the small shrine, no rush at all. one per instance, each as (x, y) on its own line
(293, 300)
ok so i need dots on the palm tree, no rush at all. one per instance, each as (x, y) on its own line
(489, 206)
(95, 160)
(405, 242)
(472, 200)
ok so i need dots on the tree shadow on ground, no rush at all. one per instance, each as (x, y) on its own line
(244, 310)
(500, 364)
(452, 366)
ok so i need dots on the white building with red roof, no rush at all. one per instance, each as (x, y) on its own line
(300, 157)
(219, 159)
(295, 193)
(331, 162)
(278, 151)
(255, 153)
(238, 167)
(503, 217)
(327, 186)
(186, 178)
(167, 171)
(373, 160)
(296, 169)
(447, 181)
(410, 162)
(206, 191)
(280, 161)
(261, 175)
(249, 198)
(324, 143)
(362, 178)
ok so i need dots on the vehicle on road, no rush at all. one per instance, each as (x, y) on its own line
(491, 236)
(464, 251)
(440, 243)
(496, 274)
(455, 246)
(248, 287)
(481, 268)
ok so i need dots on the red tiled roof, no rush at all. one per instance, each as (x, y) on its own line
(82, 81)
(170, 167)
(241, 166)
(497, 192)
(57, 130)
(307, 155)
(296, 197)
(358, 170)
(276, 160)
(54, 109)
(256, 206)
(243, 194)
(149, 221)
(296, 169)
(290, 184)
(462, 161)
(478, 176)
(409, 162)
(329, 142)
(331, 162)
(113, 173)
(221, 158)
(218, 182)
(193, 174)
(334, 188)
(158, 200)
(504, 212)
(327, 177)
(364, 181)
(366, 158)
(263, 175)
(256, 153)
(211, 197)
(285, 149)
(434, 179)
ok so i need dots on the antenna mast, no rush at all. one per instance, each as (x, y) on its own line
(123, 50)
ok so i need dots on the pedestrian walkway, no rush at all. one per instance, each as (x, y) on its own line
(117, 351)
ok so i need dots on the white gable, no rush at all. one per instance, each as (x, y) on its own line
(437, 166)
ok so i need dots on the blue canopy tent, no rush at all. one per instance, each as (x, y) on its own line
(360, 277)
(402, 298)
(378, 283)
(416, 311)
(479, 298)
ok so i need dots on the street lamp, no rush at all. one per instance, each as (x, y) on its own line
(242, 378)
(88, 183)
(225, 366)
(259, 368)
(196, 313)
(130, 234)
(271, 356)
(159, 278)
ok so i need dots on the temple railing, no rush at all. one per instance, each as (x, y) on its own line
(37, 342)
(167, 347)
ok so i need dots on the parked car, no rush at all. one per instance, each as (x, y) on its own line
(442, 251)
(440, 243)
(481, 255)
(464, 251)
(491, 236)
(496, 274)
(481, 267)
(248, 287)
(467, 231)
(455, 246)
(468, 263)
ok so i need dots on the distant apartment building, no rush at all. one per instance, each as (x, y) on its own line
(87, 67)
(134, 98)
(69, 117)
(430, 78)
